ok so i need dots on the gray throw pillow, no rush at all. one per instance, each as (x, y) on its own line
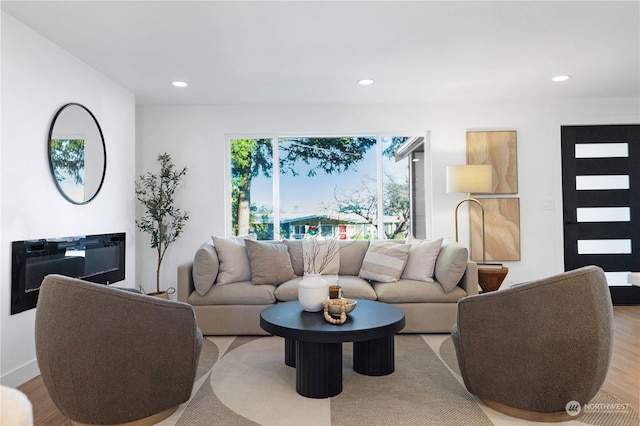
(451, 264)
(205, 268)
(270, 262)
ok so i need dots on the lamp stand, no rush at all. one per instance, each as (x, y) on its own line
(470, 199)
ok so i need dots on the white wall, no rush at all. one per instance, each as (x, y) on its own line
(195, 136)
(37, 79)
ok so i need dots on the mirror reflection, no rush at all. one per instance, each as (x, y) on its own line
(77, 154)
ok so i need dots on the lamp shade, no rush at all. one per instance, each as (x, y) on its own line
(470, 178)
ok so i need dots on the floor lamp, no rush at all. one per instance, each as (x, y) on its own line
(468, 179)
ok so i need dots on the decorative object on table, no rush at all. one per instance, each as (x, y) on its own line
(335, 292)
(470, 179)
(497, 149)
(161, 220)
(313, 290)
(502, 238)
(319, 256)
(336, 306)
(336, 310)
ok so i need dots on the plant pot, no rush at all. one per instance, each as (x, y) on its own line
(160, 295)
(313, 290)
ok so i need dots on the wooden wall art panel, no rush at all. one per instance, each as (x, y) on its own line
(497, 149)
(502, 229)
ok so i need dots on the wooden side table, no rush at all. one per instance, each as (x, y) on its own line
(490, 279)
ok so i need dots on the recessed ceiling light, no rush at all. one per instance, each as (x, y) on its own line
(365, 82)
(561, 78)
(179, 84)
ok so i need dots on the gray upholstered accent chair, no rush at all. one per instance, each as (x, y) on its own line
(531, 349)
(109, 356)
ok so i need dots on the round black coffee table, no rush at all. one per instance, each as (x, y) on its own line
(314, 346)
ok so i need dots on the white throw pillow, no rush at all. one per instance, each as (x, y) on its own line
(421, 263)
(384, 261)
(234, 260)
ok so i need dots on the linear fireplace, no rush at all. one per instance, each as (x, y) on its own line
(96, 258)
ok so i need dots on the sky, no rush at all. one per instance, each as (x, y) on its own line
(309, 194)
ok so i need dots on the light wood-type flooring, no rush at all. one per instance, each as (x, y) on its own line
(623, 380)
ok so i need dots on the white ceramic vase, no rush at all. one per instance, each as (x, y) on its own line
(312, 291)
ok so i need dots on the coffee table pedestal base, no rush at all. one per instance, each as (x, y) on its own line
(318, 369)
(374, 357)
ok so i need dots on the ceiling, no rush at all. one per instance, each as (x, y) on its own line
(304, 52)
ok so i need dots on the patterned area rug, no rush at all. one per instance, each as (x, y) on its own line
(244, 381)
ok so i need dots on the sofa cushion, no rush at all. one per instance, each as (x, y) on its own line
(352, 254)
(352, 287)
(421, 262)
(240, 293)
(300, 249)
(451, 264)
(413, 291)
(270, 262)
(384, 261)
(295, 253)
(288, 290)
(205, 268)
(321, 256)
(234, 260)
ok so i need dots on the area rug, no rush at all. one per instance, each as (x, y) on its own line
(244, 381)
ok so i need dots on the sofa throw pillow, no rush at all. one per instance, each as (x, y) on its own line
(384, 261)
(421, 262)
(321, 256)
(205, 268)
(451, 264)
(234, 260)
(270, 262)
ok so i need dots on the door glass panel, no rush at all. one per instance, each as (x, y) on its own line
(603, 214)
(621, 246)
(597, 182)
(602, 150)
(617, 278)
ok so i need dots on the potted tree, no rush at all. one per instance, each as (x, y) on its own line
(161, 219)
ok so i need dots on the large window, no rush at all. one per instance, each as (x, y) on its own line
(350, 187)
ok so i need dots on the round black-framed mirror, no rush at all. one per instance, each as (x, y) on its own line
(77, 153)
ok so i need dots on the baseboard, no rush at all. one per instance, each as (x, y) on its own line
(20, 375)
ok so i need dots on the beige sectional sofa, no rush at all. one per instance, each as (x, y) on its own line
(231, 280)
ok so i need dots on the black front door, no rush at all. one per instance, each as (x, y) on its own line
(601, 203)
